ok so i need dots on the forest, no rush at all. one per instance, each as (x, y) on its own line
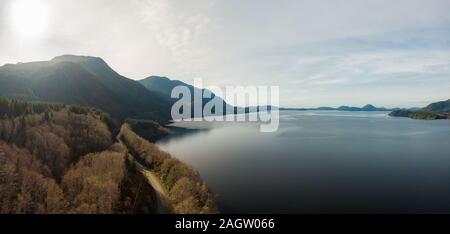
(187, 192)
(57, 158)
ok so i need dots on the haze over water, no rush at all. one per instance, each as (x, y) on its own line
(322, 161)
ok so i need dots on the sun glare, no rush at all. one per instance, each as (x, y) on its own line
(29, 18)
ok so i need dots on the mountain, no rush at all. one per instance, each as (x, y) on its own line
(437, 110)
(82, 80)
(367, 107)
(348, 108)
(443, 106)
(164, 87)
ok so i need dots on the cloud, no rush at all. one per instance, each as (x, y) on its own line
(354, 70)
(173, 27)
(317, 51)
(372, 55)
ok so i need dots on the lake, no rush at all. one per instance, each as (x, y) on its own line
(321, 162)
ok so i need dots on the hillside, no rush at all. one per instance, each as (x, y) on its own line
(443, 106)
(42, 148)
(82, 80)
(437, 110)
(164, 86)
(186, 191)
(57, 158)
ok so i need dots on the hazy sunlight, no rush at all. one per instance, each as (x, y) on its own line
(29, 18)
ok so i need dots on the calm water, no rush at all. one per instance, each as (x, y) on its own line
(322, 161)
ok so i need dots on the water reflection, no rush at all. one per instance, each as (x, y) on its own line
(322, 162)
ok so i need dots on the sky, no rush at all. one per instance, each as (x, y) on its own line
(392, 53)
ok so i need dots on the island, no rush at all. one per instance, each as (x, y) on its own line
(437, 110)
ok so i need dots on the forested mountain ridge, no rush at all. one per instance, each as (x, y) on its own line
(164, 86)
(90, 81)
(82, 80)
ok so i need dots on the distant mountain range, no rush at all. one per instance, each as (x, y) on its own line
(367, 107)
(437, 110)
